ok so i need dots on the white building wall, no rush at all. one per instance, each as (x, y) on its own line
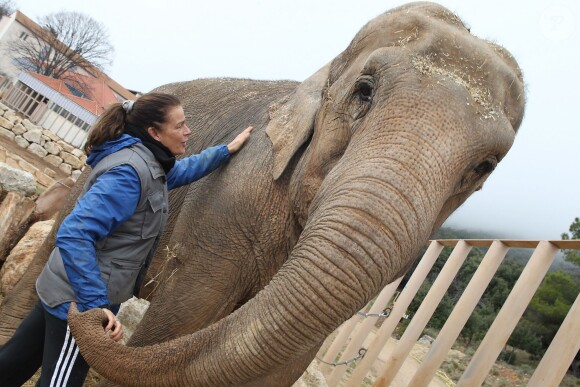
(10, 30)
(63, 128)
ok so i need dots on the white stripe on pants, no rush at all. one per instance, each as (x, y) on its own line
(66, 361)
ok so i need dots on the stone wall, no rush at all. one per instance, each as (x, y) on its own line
(42, 143)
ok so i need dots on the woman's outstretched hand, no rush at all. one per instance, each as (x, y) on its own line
(240, 139)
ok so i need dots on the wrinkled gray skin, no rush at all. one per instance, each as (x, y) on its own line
(342, 182)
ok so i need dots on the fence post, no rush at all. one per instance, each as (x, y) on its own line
(561, 352)
(460, 314)
(399, 309)
(423, 314)
(337, 344)
(509, 315)
(361, 332)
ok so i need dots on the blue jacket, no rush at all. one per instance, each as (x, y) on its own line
(113, 199)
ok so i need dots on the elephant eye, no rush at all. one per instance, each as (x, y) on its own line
(365, 91)
(485, 167)
(475, 176)
(361, 97)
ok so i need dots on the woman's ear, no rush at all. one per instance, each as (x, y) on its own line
(153, 133)
(292, 120)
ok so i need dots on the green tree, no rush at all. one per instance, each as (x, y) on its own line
(573, 256)
(478, 323)
(551, 303)
(523, 337)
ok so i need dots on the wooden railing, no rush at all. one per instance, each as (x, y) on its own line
(347, 342)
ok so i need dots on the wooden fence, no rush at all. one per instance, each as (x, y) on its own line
(348, 343)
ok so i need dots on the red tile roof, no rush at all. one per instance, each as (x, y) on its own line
(112, 84)
(100, 96)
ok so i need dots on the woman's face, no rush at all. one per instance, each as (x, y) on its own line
(174, 132)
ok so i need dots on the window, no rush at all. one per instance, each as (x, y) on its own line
(23, 35)
(76, 92)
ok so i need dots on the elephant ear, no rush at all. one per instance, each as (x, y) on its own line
(292, 120)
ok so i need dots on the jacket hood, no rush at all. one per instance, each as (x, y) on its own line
(112, 146)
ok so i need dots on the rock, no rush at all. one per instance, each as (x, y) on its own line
(21, 142)
(34, 135)
(49, 172)
(3, 107)
(15, 212)
(29, 125)
(6, 133)
(37, 150)
(65, 147)
(5, 122)
(312, 377)
(425, 339)
(43, 179)
(12, 162)
(54, 160)
(53, 148)
(51, 200)
(71, 159)
(11, 116)
(12, 179)
(75, 174)
(66, 168)
(78, 153)
(50, 135)
(22, 254)
(19, 129)
(130, 314)
(27, 167)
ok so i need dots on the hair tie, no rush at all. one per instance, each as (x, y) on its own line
(128, 105)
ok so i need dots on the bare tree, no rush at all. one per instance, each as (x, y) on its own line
(6, 8)
(65, 41)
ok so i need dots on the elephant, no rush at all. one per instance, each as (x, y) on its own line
(344, 179)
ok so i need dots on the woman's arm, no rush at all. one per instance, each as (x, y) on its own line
(110, 201)
(192, 168)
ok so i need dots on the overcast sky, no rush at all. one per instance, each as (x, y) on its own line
(535, 191)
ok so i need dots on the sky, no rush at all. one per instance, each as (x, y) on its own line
(534, 192)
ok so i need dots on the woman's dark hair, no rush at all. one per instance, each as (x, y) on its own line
(148, 110)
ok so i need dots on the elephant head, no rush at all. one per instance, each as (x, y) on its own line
(378, 147)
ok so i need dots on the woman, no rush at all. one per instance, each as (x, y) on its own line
(104, 246)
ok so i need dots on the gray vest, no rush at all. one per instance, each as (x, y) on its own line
(125, 254)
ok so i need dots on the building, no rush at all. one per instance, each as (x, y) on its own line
(66, 106)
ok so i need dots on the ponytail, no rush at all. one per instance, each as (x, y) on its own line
(109, 126)
(149, 110)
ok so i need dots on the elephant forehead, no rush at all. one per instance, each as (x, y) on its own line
(438, 45)
(478, 90)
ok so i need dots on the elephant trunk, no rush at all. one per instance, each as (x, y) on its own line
(362, 232)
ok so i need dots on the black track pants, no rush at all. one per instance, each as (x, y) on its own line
(42, 340)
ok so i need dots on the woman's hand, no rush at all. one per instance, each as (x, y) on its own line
(240, 139)
(114, 326)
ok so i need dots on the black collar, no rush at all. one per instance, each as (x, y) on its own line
(160, 151)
